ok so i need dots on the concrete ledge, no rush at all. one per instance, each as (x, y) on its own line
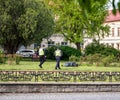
(18, 87)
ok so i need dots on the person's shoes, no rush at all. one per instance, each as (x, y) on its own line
(40, 66)
(58, 68)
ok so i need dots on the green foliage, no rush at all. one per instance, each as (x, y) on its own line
(74, 19)
(69, 51)
(102, 49)
(24, 22)
(66, 52)
(74, 58)
(97, 53)
(70, 22)
(17, 58)
(2, 57)
(10, 59)
(94, 59)
(85, 4)
(108, 60)
(49, 52)
(99, 60)
(14, 58)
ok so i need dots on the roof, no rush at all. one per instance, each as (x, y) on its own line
(111, 17)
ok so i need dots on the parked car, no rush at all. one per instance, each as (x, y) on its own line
(26, 52)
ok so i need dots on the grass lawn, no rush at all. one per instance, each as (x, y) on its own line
(50, 66)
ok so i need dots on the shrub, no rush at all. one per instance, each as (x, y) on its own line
(10, 59)
(17, 58)
(49, 52)
(96, 48)
(74, 58)
(107, 60)
(66, 50)
(69, 51)
(14, 58)
(94, 59)
(2, 57)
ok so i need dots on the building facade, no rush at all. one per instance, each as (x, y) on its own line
(56, 39)
(113, 39)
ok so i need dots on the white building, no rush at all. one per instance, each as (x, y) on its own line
(114, 36)
(56, 39)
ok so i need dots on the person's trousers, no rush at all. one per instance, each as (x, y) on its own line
(41, 60)
(57, 62)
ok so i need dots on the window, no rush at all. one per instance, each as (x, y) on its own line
(51, 43)
(112, 32)
(64, 43)
(107, 44)
(35, 45)
(112, 45)
(118, 46)
(118, 31)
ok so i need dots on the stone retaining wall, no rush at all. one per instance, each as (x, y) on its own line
(58, 87)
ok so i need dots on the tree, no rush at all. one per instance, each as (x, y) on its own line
(75, 22)
(23, 22)
(95, 19)
(68, 21)
(88, 4)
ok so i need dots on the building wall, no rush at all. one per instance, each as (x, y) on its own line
(113, 39)
(57, 39)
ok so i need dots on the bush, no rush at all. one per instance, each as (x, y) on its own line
(69, 51)
(10, 59)
(107, 60)
(2, 57)
(97, 48)
(94, 59)
(49, 52)
(74, 58)
(66, 50)
(14, 58)
(17, 58)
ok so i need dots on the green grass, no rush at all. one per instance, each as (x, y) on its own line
(50, 66)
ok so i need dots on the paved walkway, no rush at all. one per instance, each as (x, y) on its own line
(62, 96)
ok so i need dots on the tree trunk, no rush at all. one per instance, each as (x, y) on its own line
(10, 48)
(78, 45)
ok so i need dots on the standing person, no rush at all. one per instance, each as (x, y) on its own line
(58, 54)
(41, 56)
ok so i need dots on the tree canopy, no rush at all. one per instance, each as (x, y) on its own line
(75, 21)
(24, 22)
(87, 4)
(95, 18)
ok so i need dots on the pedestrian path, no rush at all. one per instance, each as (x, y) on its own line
(62, 96)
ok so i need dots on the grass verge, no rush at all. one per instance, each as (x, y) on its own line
(50, 66)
